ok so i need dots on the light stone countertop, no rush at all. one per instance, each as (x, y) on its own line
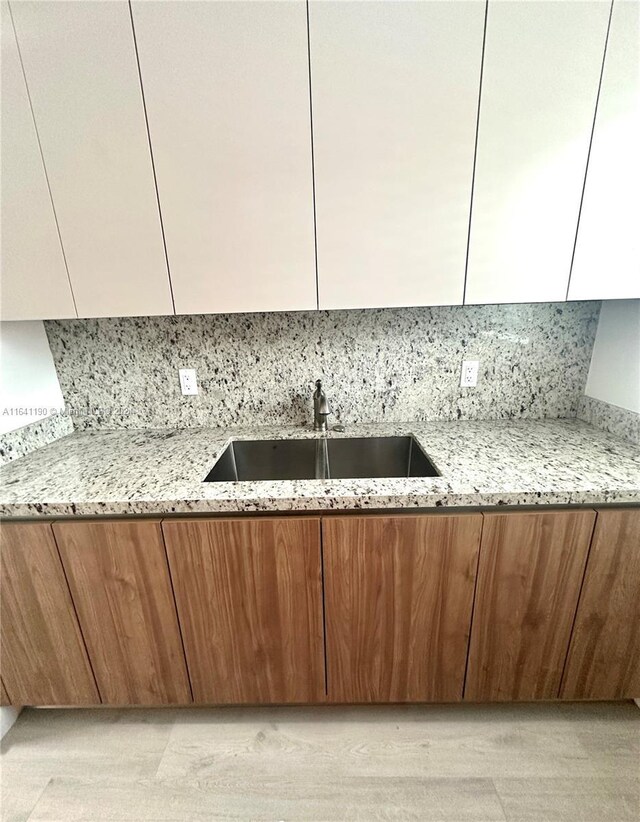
(555, 462)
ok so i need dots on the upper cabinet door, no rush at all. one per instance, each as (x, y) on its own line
(227, 93)
(33, 277)
(606, 264)
(81, 72)
(395, 98)
(542, 66)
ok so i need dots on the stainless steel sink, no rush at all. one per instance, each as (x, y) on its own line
(325, 458)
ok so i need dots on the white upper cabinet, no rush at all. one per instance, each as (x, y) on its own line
(227, 93)
(540, 80)
(395, 96)
(33, 277)
(81, 71)
(606, 263)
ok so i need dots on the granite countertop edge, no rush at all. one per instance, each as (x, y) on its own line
(483, 464)
(302, 505)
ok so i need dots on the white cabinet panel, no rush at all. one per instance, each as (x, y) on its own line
(227, 92)
(81, 72)
(395, 97)
(33, 277)
(606, 264)
(541, 72)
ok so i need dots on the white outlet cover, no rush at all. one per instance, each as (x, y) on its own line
(469, 374)
(188, 381)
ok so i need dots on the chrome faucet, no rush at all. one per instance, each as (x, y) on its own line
(321, 409)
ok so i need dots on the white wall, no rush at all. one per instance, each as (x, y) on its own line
(28, 381)
(614, 375)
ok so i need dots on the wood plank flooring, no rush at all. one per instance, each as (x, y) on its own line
(539, 763)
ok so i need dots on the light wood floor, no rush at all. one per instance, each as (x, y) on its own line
(527, 762)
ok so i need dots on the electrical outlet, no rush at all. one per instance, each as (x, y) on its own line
(188, 382)
(469, 375)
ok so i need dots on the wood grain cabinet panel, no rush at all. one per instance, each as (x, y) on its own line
(249, 595)
(604, 655)
(44, 660)
(119, 580)
(398, 601)
(529, 577)
(4, 696)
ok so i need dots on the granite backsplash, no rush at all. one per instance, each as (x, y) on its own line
(621, 422)
(393, 365)
(35, 435)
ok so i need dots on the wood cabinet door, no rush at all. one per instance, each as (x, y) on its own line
(540, 78)
(43, 657)
(227, 93)
(249, 595)
(81, 70)
(395, 103)
(398, 601)
(34, 282)
(604, 655)
(529, 577)
(119, 580)
(4, 696)
(606, 263)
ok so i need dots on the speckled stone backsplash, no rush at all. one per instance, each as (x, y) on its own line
(396, 365)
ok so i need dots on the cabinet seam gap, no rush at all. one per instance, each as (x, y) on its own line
(586, 167)
(473, 607)
(475, 153)
(153, 162)
(175, 609)
(575, 613)
(75, 611)
(313, 165)
(324, 611)
(44, 165)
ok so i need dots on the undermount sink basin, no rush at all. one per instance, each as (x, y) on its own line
(324, 458)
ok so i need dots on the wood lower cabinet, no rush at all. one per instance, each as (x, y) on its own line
(119, 581)
(604, 655)
(398, 601)
(374, 608)
(43, 657)
(249, 596)
(529, 577)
